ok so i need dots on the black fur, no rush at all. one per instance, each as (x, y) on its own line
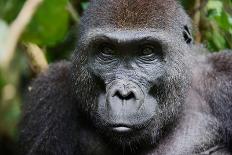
(215, 87)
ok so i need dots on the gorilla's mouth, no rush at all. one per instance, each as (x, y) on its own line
(122, 129)
(126, 128)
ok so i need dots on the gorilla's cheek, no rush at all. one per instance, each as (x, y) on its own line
(86, 91)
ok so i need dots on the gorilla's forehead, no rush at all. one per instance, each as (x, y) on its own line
(134, 14)
(124, 35)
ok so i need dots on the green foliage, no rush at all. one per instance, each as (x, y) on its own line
(49, 24)
(219, 33)
(84, 5)
(187, 4)
(9, 9)
(9, 115)
(215, 24)
(2, 82)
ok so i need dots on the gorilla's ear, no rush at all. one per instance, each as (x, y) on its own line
(187, 35)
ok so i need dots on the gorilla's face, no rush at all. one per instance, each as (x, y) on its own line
(131, 83)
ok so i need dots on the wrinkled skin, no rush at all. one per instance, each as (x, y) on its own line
(136, 85)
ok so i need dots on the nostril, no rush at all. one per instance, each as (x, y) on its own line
(130, 96)
(127, 96)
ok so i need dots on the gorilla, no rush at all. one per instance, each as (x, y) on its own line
(136, 85)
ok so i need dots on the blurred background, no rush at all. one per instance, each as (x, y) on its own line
(34, 33)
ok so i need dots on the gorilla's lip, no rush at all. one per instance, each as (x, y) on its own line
(114, 125)
(122, 129)
(125, 127)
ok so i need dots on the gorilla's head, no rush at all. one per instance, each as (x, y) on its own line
(130, 72)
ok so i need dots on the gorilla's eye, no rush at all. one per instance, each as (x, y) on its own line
(150, 52)
(106, 50)
(147, 50)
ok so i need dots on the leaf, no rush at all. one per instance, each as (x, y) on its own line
(212, 13)
(85, 5)
(9, 9)
(49, 24)
(187, 4)
(216, 5)
(218, 40)
(224, 21)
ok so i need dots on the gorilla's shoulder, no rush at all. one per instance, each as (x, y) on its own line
(51, 85)
(46, 109)
(219, 90)
(50, 91)
(219, 76)
(57, 72)
(222, 63)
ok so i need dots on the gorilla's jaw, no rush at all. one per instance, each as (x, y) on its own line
(135, 123)
(131, 123)
(142, 118)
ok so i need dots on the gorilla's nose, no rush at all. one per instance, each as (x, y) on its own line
(123, 91)
(125, 94)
